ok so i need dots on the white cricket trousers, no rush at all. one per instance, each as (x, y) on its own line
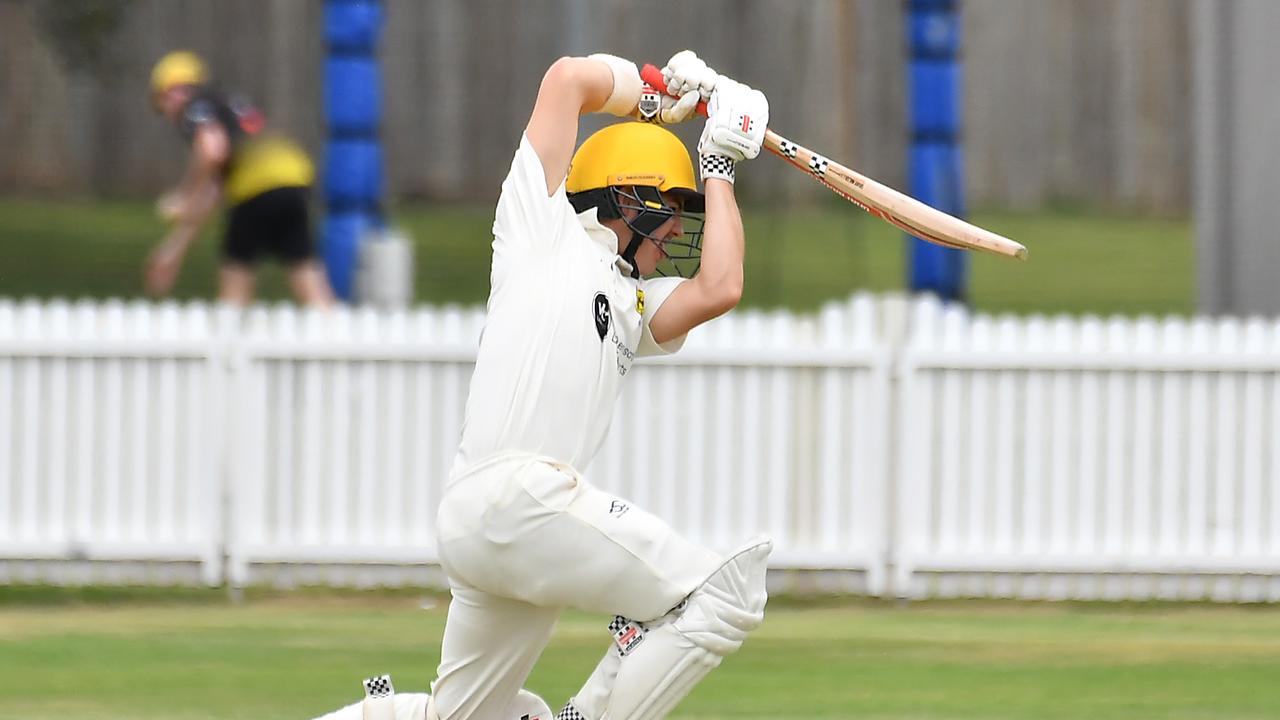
(523, 537)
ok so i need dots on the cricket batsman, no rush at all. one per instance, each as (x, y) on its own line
(522, 534)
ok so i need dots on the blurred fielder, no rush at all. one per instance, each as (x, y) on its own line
(263, 179)
(521, 533)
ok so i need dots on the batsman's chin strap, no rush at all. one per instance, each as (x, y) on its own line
(653, 212)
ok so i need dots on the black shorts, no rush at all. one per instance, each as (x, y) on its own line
(275, 223)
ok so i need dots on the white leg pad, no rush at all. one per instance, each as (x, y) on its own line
(680, 650)
(526, 706)
(379, 699)
(408, 706)
(593, 699)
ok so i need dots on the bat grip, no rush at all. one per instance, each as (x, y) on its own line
(652, 75)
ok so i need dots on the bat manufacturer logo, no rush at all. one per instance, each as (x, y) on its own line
(650, 103)
(627, 634)
(600, 312)
(818, 165)
(850, 179)
(788, 148)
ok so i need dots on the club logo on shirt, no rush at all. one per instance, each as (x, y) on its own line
(600, 310)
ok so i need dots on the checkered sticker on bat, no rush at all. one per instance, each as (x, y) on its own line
(818, 164)
(787, 147)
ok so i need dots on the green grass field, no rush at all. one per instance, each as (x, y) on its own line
(189, 654)
(797, 257)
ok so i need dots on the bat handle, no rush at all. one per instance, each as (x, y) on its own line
(652, 75)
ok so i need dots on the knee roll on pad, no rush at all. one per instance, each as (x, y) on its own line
(679, 650)
(730, 604)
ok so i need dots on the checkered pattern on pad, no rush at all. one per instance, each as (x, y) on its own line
(379, 686)
(570, 713)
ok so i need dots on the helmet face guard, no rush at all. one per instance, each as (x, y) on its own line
(680, 253)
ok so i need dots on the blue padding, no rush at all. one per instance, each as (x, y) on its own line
(935, 179)
(938, 270)
(352, 24)
(352, 94)
(935, 176)
(935, 97)
(919, 6)
(934, 34)
(353, 172)
(342, 233)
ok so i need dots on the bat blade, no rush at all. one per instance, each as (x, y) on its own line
(898, 209)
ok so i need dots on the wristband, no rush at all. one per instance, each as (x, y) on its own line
(626, 85)
(713, 165)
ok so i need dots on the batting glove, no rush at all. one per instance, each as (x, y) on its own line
(736, 120)
(686, 72)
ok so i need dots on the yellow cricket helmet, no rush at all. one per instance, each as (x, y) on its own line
(635, 153)
(181, 67)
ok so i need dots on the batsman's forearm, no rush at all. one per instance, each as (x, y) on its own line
(723, 244)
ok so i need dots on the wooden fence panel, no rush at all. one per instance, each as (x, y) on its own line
(1084, 100)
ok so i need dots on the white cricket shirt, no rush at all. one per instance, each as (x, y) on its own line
(562, 329)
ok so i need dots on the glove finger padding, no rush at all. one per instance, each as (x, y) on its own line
(680, 110)
(661, 109)
(737, 117)
(686, 72)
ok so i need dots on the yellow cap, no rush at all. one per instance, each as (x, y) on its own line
(180, 67)
(635, 153)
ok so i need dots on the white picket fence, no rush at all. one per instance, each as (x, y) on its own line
(893, 448)
(1090, 458)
